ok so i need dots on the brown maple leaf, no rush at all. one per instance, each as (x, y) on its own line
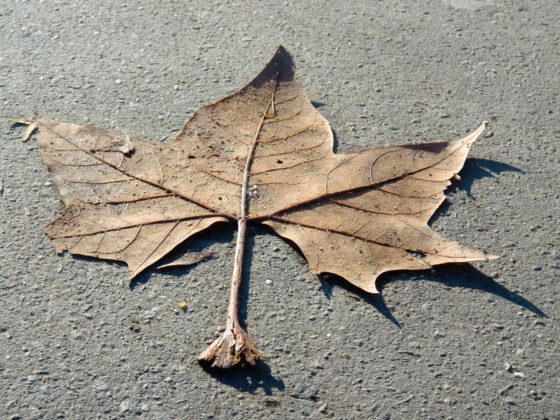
(261, 155)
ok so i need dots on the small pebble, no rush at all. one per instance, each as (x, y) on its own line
(504, 390)
(299, 389)
(156, 369)
(102, 388)
(269, 282)
(125, 406)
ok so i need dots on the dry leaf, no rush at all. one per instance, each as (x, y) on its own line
(261, 155)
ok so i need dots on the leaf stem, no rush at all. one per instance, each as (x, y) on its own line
(234, 346)
(237, 276)
(233, 308)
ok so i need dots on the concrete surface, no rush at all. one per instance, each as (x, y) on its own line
(458, 342)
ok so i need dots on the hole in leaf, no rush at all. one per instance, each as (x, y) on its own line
(419, 255)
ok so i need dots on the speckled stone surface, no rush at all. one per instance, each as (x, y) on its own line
(458, 342)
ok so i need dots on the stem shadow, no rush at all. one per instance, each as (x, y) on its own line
(246, 277)
(248, 378)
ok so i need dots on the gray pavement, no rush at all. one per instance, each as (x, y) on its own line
(458, 342)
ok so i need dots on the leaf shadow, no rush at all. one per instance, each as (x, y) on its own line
(217, 234)
(329, 281)
(247, 379)
(335, 141)
(458, 275)
(469, 277)
(475, 169)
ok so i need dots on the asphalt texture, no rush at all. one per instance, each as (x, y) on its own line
(463, 341)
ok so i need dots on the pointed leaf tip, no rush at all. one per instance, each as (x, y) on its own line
(373, 289)
(284, 61)
(281, 68)
(282, 51)
(472, 137)
(31, 127)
